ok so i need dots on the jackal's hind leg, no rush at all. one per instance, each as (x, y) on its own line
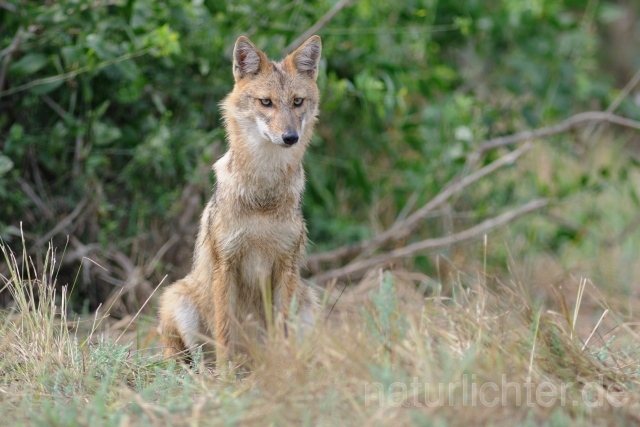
(308, 309)
(180, 322)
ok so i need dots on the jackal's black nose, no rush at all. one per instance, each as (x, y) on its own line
(290, 138)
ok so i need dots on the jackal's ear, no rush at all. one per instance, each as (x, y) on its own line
(306, 58)
(247, 58)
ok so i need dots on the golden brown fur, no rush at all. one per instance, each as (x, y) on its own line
(252, 234)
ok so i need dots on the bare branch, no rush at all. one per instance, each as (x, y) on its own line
(80, 251)
(569, 124)
(64, 223)
(58, 109)
(317, 26)
(8, 52)
(134, 277)
(77, 157)
(34, 198)
(353, 270)
(404, 228)
(624, 92)
(148, 270)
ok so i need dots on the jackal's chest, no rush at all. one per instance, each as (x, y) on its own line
(259, 238)
(257, 221)
(260, 251)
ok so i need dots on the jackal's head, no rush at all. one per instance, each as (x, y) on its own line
(273, 102)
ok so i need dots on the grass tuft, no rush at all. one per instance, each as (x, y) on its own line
(477, 350)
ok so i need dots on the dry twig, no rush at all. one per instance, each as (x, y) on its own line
(352, 270)
(8, 52)
(567, 125)
(34, 198)
(317, 26)
(64, 223)
(404, 228)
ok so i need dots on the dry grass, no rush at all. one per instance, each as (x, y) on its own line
(476, 350)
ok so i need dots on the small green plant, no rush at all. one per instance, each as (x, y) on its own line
(385, 320)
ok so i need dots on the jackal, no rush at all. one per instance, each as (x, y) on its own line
(252, 234)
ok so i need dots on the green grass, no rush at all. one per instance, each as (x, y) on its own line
(477, 350)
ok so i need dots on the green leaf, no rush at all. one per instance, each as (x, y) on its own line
(96, 43)
(28, 64)
(5, 164)
(164, 41)
(102, 108)
(104, 134)
(71, 54)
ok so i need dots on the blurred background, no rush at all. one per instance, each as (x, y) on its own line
(110, 122)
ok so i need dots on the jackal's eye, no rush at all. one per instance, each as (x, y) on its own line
(298, 101)
(266, 102)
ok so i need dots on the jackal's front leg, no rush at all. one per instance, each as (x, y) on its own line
(287, 282)
(223, 283)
